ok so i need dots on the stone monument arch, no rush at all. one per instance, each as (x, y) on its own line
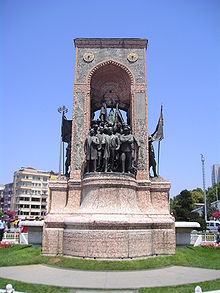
(109, 214)
(113, 81)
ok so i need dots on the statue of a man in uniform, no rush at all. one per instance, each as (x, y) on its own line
(114, 147)
(152, 162)
(103, 111)
(91, 150)
(127, 145)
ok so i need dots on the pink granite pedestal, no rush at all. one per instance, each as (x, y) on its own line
(114, 217)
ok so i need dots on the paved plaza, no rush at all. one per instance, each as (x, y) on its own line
(170, 276)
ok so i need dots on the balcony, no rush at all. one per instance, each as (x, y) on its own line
(25, 209)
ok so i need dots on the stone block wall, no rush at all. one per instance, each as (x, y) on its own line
(52, 241)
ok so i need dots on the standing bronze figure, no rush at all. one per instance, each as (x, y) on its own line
(127, 142)
(91, 151)
(152, 162)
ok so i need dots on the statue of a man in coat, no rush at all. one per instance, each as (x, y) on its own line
(91, 151)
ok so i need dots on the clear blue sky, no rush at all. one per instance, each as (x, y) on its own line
(183, 73)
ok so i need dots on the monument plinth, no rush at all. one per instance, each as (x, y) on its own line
(109, 207)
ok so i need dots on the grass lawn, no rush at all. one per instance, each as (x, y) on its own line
(202, 257)
(206, 286)
(29, 288)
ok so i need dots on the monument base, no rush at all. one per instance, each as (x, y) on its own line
(117, 218)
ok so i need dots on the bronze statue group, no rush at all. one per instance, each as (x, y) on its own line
(110, 146)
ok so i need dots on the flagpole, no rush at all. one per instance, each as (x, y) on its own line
(62, 110)
(63, 157)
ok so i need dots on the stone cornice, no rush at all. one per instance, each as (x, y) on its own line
(59, 185)
(110, 42)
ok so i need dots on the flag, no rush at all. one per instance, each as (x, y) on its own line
(66, 129)
(158, 133)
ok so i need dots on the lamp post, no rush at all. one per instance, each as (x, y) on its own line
(63, 110)
(203, 179)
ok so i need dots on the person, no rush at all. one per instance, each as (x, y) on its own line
(90, 148)
(103, 111)
(106, 148)
(114, 147)
(2, 228)
(152, 162)
(23, 229)
(218, 235)
(9, 225)
(127, 143)
(111, 119)
(100, 148)
(118, 115)
(68, 159)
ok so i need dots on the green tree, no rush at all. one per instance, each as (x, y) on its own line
(182, 206)
(211, 193)
(195, 217)
(197, 195)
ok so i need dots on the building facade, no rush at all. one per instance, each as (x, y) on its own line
(8, 193)
(2, 188)
(215, 174)
(30, 193)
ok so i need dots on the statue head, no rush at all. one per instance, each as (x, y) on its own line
(101, 130)
(92, 132)
(106, 131)
(95, 126)
(127, 129)
(110, 130)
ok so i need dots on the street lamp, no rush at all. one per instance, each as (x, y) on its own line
(203, 179)
(63, 110)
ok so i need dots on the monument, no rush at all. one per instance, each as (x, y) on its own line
(109, 207)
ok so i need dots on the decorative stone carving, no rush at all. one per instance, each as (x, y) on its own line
(88, 57)
(132, 57)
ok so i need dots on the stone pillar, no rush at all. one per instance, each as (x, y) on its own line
(58, 195)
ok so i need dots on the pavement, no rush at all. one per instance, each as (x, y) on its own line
(170, 276)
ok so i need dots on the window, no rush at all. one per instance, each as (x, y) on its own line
(25, 206)
(34, 213)
(35, 206)
(35, 199)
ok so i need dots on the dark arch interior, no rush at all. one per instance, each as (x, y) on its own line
(113, 84)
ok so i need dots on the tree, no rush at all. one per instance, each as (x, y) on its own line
(197, 195)
(182, 206)
(211, 193)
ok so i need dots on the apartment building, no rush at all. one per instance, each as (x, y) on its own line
(30, 193)
(8, 192)
(215, 174)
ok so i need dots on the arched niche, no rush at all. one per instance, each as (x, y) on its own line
(111, 81)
